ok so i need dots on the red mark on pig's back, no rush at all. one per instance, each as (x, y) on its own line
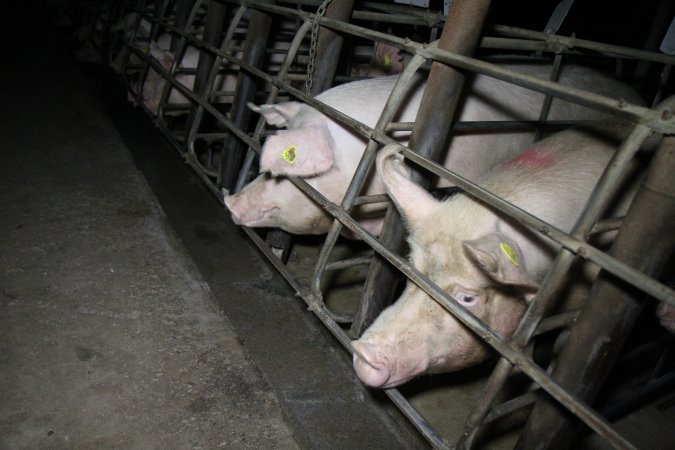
(533, 157)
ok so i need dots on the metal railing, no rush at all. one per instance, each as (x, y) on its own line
(573, 245)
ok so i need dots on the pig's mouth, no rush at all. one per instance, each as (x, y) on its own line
(259, 220)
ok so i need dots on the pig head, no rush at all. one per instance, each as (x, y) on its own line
(487, 263)
(312, 147)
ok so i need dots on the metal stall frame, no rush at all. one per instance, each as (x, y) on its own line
(647, 121)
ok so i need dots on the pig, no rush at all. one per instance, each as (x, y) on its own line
(154, 84)
(125, 29)
(326, 154)
(666, 315)
(487, 262)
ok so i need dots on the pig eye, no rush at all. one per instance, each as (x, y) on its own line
(465, 297)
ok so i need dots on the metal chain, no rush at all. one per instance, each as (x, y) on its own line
(320, 12)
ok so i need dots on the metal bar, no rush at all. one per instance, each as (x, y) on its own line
(570, 42)
(203, 83)
(254, 51)
(429, 138)
(345, 263)
(397, 95)
(329, 46)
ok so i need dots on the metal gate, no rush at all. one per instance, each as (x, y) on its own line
(212, 128)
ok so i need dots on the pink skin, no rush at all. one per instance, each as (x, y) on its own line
(666, 315)
(489, 265)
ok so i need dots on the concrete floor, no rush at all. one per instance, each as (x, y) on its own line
(111, 334)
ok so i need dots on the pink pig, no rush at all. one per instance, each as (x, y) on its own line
(485, 261)
(326, 153)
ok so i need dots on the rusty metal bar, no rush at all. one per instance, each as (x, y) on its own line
(215, 21)
(570, 42)
(397, 95)
(225, 45)
(254, 51)
(329, 46)
(429, 137)
(604, 322)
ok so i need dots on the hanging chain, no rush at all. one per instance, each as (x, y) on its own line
(320, 12)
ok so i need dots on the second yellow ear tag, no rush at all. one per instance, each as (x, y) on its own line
(387, 61)
(510, 253)
(289, 154)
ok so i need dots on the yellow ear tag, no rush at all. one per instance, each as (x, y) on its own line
(510, 253)
(289, 154)
(145, 48)
(387, 61)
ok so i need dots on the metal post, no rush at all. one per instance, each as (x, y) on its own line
(329, 46)
(212, 35)
(183, 9)
(429, 137)
(606, 320)
(253, 54)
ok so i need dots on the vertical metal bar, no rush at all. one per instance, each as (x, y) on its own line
(283, 71)
(181, 42)
(429, 137)
(605, 321)
(254, 52)
(329, 46)
(213, 32)
(225, 44)
(399, 92)
(183, 9)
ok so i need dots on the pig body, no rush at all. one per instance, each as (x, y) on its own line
(154, 84)
(485, 261)
(328, 153)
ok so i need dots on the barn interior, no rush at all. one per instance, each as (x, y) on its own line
(135, 314)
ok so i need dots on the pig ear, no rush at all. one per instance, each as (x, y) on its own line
(501, 259)
(278, 115)
(387, 56)
(304, 152)
(413, 202)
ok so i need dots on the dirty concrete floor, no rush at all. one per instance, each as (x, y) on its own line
(111, 335)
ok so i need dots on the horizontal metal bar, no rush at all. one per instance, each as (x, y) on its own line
(352, 262)
(510, 406)
(570, 42)
(554, 322)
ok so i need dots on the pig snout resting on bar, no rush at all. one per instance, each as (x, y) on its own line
(486, 261)
(326, 153)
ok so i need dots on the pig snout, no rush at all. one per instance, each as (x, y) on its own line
(371, 368)
(233, 206)
(666, 315)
